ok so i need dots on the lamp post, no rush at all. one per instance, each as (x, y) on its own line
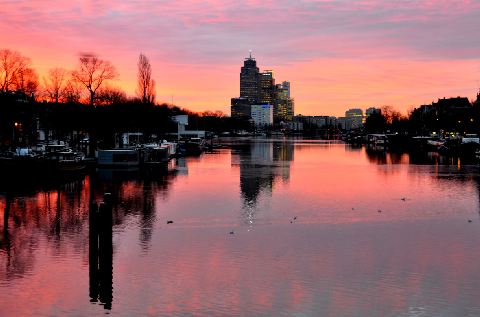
(15, 125)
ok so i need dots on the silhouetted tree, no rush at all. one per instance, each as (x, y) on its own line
(72, 92)
(54, 84)
(375, 123)
(16, 73)
(145, 84)
(111, 95)
(390, 114)
(27, 81)
(92, 72)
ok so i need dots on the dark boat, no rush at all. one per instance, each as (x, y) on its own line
(63, 161)
(32, 166)
(192, 146)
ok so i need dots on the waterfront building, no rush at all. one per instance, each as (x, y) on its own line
(354, 112)
(295, 126)
(262, 115)
(345, 123)
(249, 79)
(266, 87)
(371, 111)
(259, 88)
(240, 108)
(316, 121)
(355, 116)
(284, 105)
(448, 114)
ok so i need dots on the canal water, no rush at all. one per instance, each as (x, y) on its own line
(259, 228)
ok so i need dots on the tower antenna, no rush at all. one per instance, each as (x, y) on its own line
(250, 51)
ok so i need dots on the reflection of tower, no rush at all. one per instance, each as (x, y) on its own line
(260, 164)
(283, 155)
(101, 253)
(254, 171)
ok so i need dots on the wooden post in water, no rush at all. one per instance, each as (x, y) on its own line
(93, 251)
(105, 251)
(101, 252)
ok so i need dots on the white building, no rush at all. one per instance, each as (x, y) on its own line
(262, 115)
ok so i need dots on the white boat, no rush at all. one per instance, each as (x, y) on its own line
(436, 142)
(471, 138)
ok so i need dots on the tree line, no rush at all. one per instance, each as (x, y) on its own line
(457, 115)
(90, 82)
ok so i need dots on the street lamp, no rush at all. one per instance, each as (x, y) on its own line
(15, 126)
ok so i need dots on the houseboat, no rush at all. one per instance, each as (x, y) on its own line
(118, 158)
(192, 146)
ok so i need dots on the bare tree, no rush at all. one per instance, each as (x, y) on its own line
(27, 81)
(390, 114)
(145, 84)
(54, 84)
(16, 73)
(72, 92)
(92, 72)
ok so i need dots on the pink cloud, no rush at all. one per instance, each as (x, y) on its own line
(212, 37)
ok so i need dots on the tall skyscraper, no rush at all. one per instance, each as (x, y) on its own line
(284, 105)
(267, 87)
(249, 78)
(258, 88)
(286, 85)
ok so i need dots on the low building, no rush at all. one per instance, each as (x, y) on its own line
(262, 115)
(240, 108)
(371, 111)
(355, 116)
(316, 121)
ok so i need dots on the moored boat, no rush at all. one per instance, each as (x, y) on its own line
(192, 146)
(118, 158)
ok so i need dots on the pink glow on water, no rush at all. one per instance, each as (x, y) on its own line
(417, 255)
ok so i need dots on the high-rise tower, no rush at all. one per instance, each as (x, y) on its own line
(267, 87)
(283, 109)
(249, 79)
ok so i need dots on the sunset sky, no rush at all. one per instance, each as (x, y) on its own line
(338, 54)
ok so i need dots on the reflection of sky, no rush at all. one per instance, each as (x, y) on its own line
(417, 256)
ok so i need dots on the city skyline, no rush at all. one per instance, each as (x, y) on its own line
(337, 54)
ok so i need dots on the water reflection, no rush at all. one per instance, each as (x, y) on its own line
(261, 165)
(380, 155)
(419, 256)
(63, 214)
(50, 214)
